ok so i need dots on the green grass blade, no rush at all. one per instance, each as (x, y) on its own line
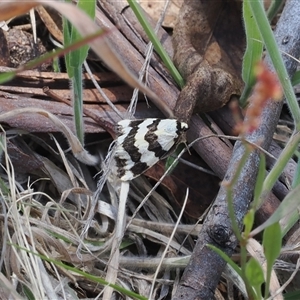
(274, 8)
(7, 76)
(296, 78)
(156, 43)
(289, 204)
(67, 30)
(226, 258)
(296, 179)
(93, 278)
(259, 181)
(253, 53)
(235, 267)
(78, 102)
(272, 242)
(248, 222)
(255, 275)
(28, 293)
(74, 61)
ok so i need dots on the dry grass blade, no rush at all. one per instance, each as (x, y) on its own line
(113, 266)
(285, 285)
(32, 226)
(68, 225)
(21, 237)
(15, 8)
(168, 244)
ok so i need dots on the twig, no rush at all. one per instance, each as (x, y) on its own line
(99, 89)
(144, 73)
(104, 124)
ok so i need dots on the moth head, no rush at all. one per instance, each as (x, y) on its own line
(183, 126)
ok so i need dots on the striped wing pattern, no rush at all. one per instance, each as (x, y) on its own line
(142, 143)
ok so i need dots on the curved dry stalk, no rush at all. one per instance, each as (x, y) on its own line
(79, 152)
(256, 251)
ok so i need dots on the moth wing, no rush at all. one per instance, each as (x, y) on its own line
(142, 143)
(167, 136)
(156, 138)
(124, 126)
(130, 148)
(127, 169)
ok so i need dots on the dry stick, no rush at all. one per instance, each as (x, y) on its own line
(132, 57)
(99, 89)
(78, 150)
(104, 124)
(203, 272)
(143, 73)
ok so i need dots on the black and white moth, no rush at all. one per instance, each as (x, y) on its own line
(140, 144)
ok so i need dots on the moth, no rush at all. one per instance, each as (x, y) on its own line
(140, 144)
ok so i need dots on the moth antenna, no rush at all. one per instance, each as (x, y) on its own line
(187, 148)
